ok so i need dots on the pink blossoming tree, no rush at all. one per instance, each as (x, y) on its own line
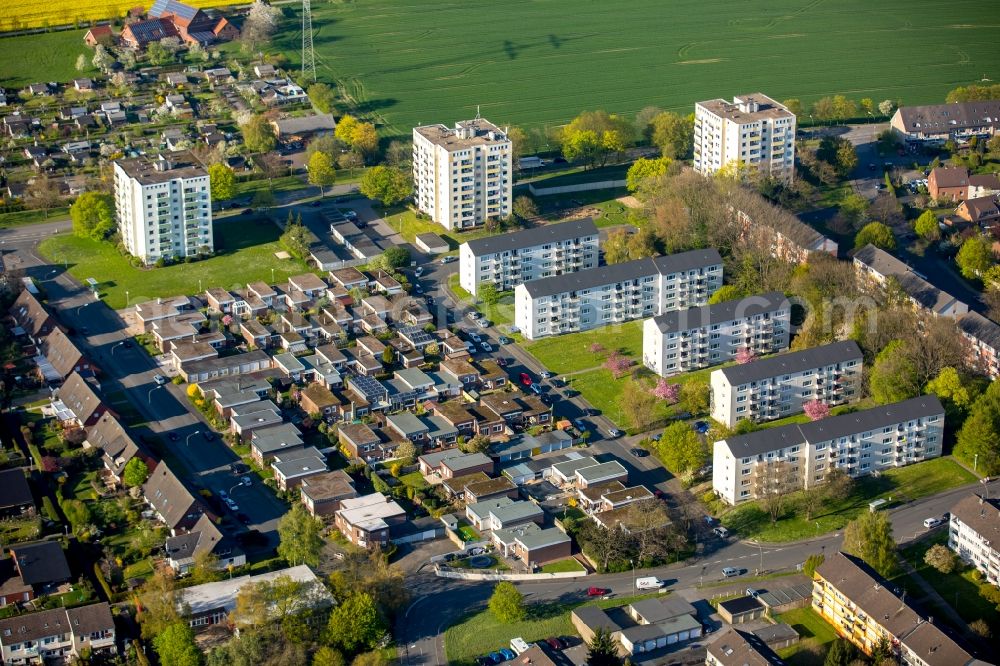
(667, 391)
(816, 410)
(745, 356)
(596, 348)
(617, 364)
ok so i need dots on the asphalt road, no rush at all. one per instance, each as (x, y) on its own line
(439, 603)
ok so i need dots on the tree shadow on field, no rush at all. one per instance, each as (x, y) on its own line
(371, 105)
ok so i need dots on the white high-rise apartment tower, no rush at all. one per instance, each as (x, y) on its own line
(462, 175)
(164, 206)
(753, 130)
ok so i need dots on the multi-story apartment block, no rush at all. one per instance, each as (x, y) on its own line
(507, 260)
(778, 386)
(616, 293)
(874, 268)
(983, 336)
(865, 609)
(698, 337)
(164, 206)
(753, 130)
(974, 534)
(801, 454)
(462, 176)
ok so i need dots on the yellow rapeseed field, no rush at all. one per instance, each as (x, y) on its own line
(20, 14)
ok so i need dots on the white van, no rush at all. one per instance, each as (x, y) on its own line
(519, 645)
(648, 583)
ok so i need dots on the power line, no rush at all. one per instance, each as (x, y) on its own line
(308, 54)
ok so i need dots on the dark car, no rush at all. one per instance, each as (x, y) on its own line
(209, 436)
(502, 362)
(700, 427)
(555, 643)
(591, 411)
(507, 653)
(639, 453)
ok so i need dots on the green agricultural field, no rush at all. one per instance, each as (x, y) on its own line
(244, 253)
(53, 58)
(539, 63)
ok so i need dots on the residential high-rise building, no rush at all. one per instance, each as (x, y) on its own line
(507, 260)
(701, 336)
(778, 386)
(616, 293)
(164, 206)
(462, 176)
(799, 455)
(974, 534)
(753, 130)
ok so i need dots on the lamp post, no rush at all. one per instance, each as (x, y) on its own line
(126, 298)
(187, 440)
(149, 395)
(115, 347)
(632, 562)
(761, 548)
(272, 276)
(975, 462)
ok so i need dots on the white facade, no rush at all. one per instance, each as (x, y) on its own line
(859, 443)
(753, 130)
(507, 260)
(974, 535)
(462, 176)
(695, 338)
(164, 207)
(779, 386)
(616, 293)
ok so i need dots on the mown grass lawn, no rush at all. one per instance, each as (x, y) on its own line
(53, 58)
(816, 635)
(563, 566)
(22, 217)
(276, 185)
(409, 226)
(244, 253)
(561, 354)
(903, 484)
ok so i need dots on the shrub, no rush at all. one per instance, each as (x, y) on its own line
(101, 581)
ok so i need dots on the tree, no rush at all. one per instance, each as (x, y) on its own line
(981, 628)
(869, 537)
(396, 257)
(157, 607)
(258, 134)
(867, 105)
(812, 563)
(376, 658)
(356, 624)
(621, 246)
(841, 653)
(175, 645)
(694, 396)
(617, 364)
(81, 62)
(927, 227)
(956, 391)
(295, 239)
(223, 181)
(399, 155)
(726, 292)
(364, 138)
(506, 603)
(893, 376)
(406, 450)
(637, 404)
(488, 293)
(593, 136)
(205, 568)
(816, 410)
(794, 105)
(854, 209)
(300, 540)
(158, 53)
(643, 169)
(974, 258)
(745, 355)
(602, 650)
(260, 24)
(388, 355)
(941, 558)
(843, 108)
(327, 656)
(681, 449)
(386, 184)
(321, 171)
(773, 482)
(42, 194)
(136, 472)
(673, 134)
(877, 234)
(978, 442)
(102, 60)
(665, 391)
(886, 106)
(525, 208)
(322, 97)
(93, 215)
(475, 444)
(345, 128)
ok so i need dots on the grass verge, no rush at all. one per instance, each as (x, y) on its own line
(816, 636)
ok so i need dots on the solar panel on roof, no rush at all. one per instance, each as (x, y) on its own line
(161, 7)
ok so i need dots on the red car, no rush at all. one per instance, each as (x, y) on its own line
(597, 591)
(526, 379)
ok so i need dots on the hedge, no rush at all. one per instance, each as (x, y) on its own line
(49, 509)
(104, 583)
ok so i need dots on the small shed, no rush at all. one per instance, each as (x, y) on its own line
(741, 610)
(786, 598)
(777, 636)
(431, 243)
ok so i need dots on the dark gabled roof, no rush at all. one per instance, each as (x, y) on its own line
(798, 361)
(80, 396)
(30, 314)
(169, 496)
(203, 537)
(772, 439)
(548, 233)
(41, 563)
(14, 490)
(630, 270)
(684, 320)
(34, 626)
(920, 290)
(114, 441)
(61, 352)
(940, 118)
(739, 648)
(741, 605)
(982, 208)
(979, 327)
(150, 30)
(86, 620)
(981, 515)
(950, 176)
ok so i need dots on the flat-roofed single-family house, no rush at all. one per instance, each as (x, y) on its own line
(322, 494)
(533, 545)
(502, 513)
(602, 473)
(266, 443)
(481, 491)
(455, 466)
(564, 472)
(455, 486)
(291, 469)
(360, 441)
(369, 520)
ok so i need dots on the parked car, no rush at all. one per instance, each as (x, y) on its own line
(233, 506)
(721, 531)
(209, 436)
(545, 374)
(535, 388)
(931, 523)
(752, 592)
(614, 433)
(700, 427)
(473, 315)
(504, 340)
(483, 323)
(246, 481)
(597, 591)
(485, 346)
(729, 572)
(448, 259)
(350, 214)
(417, 288)
(419, 271)
(496, 657)
(526, 379)
(639, 453)
(475, 337)
(502, 362)
(656, 437)
(160, 380)
(507, 653)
